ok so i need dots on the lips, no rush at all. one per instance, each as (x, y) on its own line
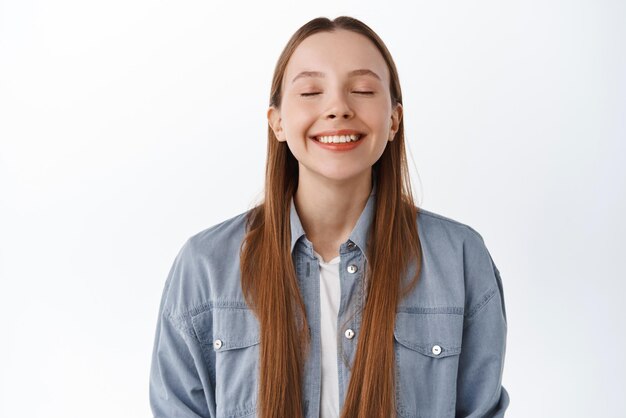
(317, 139)
(338, 146)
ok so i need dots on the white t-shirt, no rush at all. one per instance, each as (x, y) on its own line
(330, 292)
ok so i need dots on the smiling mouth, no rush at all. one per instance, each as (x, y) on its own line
(338, 139)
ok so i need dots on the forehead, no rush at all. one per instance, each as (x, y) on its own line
(336, 52)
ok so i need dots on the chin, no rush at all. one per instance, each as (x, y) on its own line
(341, 174)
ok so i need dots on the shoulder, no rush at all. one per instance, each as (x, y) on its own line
(206, 262)
(218, 236)
(215, 242)
(458, 251)
(436, 227)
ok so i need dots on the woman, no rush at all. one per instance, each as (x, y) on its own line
(335, 296)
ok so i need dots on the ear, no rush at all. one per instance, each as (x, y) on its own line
(396, 117)
(275, 122)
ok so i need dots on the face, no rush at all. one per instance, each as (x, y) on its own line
(322, 93)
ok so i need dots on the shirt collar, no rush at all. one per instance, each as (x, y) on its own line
(358, 234)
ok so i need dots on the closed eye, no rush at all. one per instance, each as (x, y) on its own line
(358, 92)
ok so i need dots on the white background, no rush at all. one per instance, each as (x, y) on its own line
(128, 126)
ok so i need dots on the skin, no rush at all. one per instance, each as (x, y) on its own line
(334, 186)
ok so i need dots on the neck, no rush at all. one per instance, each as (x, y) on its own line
(329, 209)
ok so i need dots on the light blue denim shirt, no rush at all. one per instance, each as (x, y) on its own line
(450, 331)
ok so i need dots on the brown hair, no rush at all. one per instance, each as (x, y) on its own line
(268, 276)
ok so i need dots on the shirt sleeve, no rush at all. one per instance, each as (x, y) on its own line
(179, 376)
(480, 393)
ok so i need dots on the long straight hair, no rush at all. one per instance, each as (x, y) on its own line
(268, 276)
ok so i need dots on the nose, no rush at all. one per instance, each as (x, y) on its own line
(338, 106)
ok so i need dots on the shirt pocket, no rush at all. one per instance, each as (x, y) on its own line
(427, 348)
(235, 342)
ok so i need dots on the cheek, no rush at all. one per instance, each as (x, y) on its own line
(297, 122)
(378, 122)
(375, 114)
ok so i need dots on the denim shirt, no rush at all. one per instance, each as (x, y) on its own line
(450, 331)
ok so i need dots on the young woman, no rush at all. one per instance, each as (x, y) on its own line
(336, 296)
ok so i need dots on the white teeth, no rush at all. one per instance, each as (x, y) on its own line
(336, 139)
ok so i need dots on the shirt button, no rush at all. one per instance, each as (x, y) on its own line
(350, 244)
(436, 350)
(352, 268)
(217, 344)
(349, 334)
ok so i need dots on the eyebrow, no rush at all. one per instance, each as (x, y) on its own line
(353, 73)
